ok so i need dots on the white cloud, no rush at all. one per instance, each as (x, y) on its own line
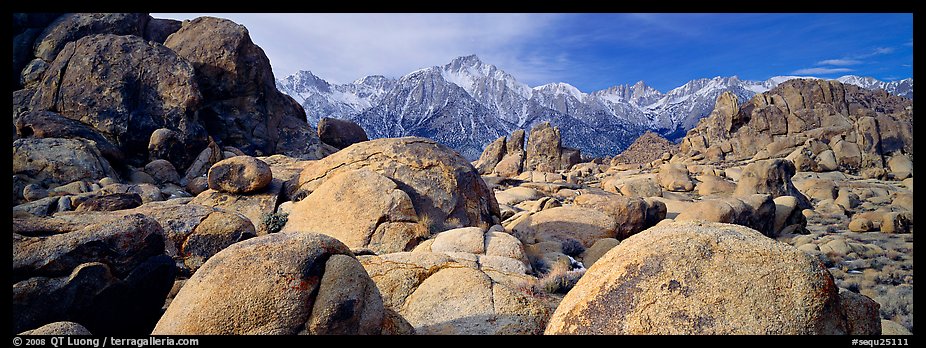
(820, 71)
(839, 62)
(344, 47)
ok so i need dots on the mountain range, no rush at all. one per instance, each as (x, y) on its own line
(467, 103)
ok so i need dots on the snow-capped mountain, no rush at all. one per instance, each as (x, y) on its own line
(467, 103)
(903, 88)
(321, 99)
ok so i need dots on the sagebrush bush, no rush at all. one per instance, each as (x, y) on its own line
(274, 222)
(897, 304)
(572, 247)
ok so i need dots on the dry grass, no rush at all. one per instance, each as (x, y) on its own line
(452, 223)
(557, 279)
(429, 224)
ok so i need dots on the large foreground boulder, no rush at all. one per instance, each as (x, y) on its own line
(703, 278)
(281, 283)
(110, 275)
(442, 185)
(362, 209)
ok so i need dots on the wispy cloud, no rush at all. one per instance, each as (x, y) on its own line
(820, 71)
(875, 52)
(839, 62)
(342, 47)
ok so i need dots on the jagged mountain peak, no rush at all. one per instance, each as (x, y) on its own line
(466, 103)
(465, 61)
(561, 88)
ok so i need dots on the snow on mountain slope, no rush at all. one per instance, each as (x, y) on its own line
(468, 103)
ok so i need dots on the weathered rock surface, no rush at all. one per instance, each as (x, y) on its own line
(690, 278)
(441, 294)
(110, 275)
(631, 214)
(771, 177)
(110, 202)
(544, 149)
(493, 153)
(53, 161)
(239, 174)
(242, 107)
(674, 177)
(45, 124)
(73, 26)
(281, 283)
(59, 328)
(560, 224)
(125, 88)
(340, 133)
(442, 185)
(362, 209)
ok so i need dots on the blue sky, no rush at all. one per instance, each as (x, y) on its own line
(589, 51)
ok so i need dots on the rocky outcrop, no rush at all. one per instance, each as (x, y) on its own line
(52, 162)
(111, 275)
(192, 233)
(340, 133)
(26, 28)
(690, 278)
(474, 240)
(362, 209)
(442, 185)
(853, 121)
(505, 157)
(45, 124)
(647, 148)
(772, 177)
(283, 284)
(757, 211)
(144, 86)
(493, 153)
(544, 149)
(674, 177)
(241, 105)
(73, 26)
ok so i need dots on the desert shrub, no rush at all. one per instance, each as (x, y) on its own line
(558, 279)
(897, 304)
(572, 247)
(274, 222)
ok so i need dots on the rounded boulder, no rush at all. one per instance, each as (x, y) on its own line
(281, 283)
(702, 278)
(239, 174)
